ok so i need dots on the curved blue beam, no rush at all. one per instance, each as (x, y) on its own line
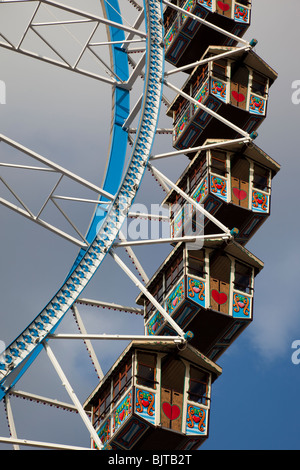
(22, 352)
(121, 109)
(115, 160)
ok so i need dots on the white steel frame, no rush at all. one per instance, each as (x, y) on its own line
(50, 166)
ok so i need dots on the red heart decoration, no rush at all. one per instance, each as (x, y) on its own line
(145, 403)
(239, 193)
(219, 297)
(171, 411)
(122, 415)
(223, 6)
(196, 418)
(239, 97)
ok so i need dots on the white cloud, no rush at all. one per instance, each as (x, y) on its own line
(276, 314)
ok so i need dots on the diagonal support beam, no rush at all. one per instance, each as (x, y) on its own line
(190, 200)
(175, 153)
(73, 396)
(43, 400)
(136, 72)
(150, 297)
(39, 444)
(187, 239)
(11, 422)
(103, 336)
(53, 166)
(134, 112)
(109, 305)
(209, 59)
(137, 215)
(88, 344)
(89, 16)
(42, 223)
(134, 258)
(62, 65)
(208, 110)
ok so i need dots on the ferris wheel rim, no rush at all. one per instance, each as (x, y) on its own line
(140, 154)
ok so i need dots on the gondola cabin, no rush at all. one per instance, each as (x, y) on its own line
(235, 87)
(155, 397)
(207, 290)
(232, 182)
(187, 39)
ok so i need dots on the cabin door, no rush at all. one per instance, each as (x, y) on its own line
(171, 409)
(239, 192)
(225, 8)
(219, 295)
(238, 97)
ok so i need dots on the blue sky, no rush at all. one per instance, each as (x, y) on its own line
(255, 401)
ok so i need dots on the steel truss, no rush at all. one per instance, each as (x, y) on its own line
(150, 67)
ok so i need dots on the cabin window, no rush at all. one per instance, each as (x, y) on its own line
(220, 69)
(246, 3)
(259, 84)
(174, 272)
(182, 107)
(198, 386)
(158, 290)
(196, 263)
(146, 369)
(172, 374)
(199, 80)
(122, 381)
(149, 308)
(218, 162)
(169, 18)
(103, 408)
(180, 200)
(240, 75)
(220, 267)
(261, 178)
(243, 277)
(240, 168)
(198, 172)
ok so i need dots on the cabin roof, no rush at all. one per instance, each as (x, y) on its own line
(232, 248)
(249, 58)
(189, 353)
(249, 150)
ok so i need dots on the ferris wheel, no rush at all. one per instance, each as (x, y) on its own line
(123, 48)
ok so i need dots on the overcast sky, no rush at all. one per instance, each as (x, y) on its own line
(66, 118)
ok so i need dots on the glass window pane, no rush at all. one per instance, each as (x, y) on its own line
(218, 162)
(243, 277)
(259, 84)
(220, 68)
(146, 369)
(198, 387)
(261, 178)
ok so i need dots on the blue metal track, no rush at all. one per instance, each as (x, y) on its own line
(119, 136)
(22, 352)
